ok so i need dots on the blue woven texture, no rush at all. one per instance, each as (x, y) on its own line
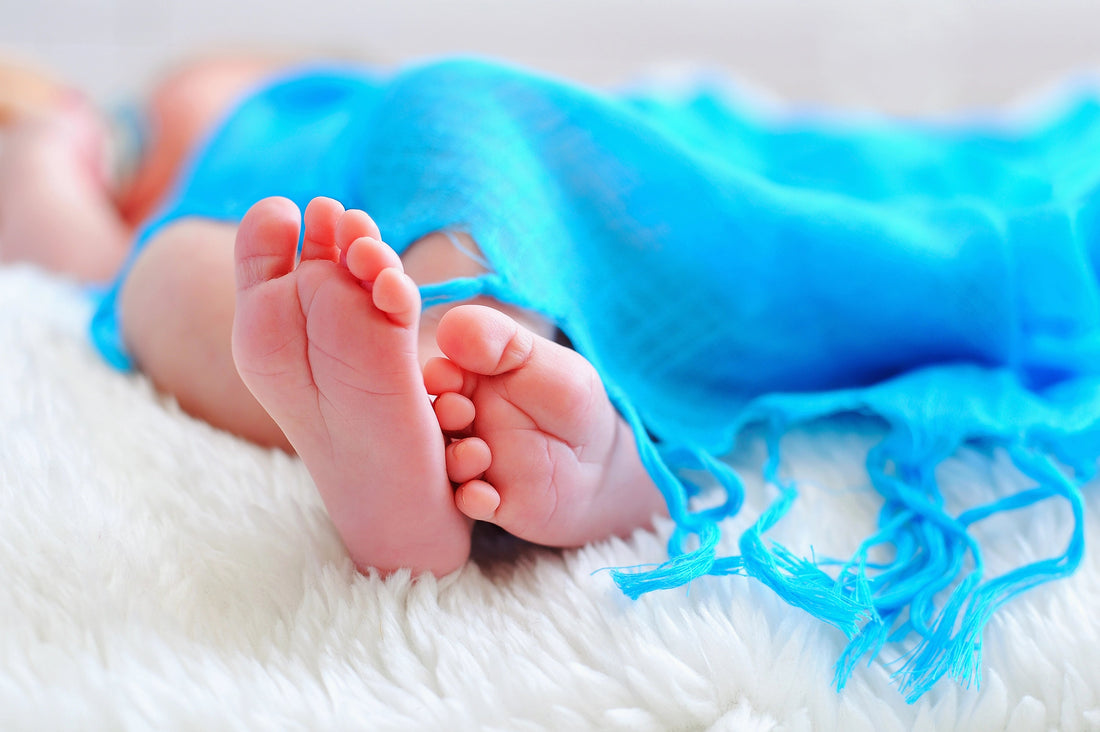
(722, 268)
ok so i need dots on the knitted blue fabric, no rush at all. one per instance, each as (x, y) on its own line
(721, 268)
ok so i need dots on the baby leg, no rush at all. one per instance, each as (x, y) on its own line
(549, 459)
(176, 311)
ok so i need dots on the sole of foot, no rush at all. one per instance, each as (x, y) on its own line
(327, 343)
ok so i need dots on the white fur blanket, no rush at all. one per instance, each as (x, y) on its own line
(161, 574)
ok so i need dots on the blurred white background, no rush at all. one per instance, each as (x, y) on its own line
(894, 55)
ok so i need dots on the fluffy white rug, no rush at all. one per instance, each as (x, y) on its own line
(160, 574)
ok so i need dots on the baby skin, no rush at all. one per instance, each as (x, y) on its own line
(520, 433)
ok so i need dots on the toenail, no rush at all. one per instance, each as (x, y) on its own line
(518, 351)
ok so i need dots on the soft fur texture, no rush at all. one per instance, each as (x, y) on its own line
(162, 574)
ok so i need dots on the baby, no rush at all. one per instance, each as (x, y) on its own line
(308, 332)
(714, 270)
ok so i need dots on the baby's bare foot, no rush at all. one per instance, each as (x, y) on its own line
(329, 348)
(548, 457)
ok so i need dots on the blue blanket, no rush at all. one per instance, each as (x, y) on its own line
(722, 268)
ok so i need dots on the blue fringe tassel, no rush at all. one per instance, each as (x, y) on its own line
(873, 603)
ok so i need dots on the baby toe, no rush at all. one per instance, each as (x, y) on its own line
(467, 459)
(484, 340)
(266, 243)
(395, 294)
(477, 500)
(319, 238)
(453, 411)
(442, 375)
(354, 224)
(366, 257)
